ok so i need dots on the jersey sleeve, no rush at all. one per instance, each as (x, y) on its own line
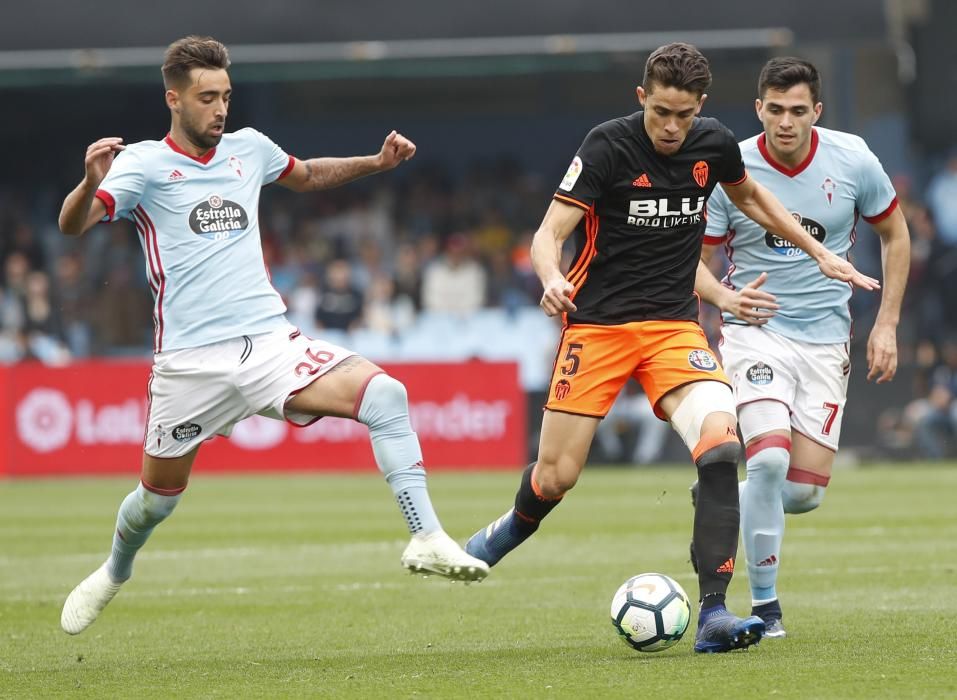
(731, 171)
(123, 187)
(590, 170)
(717, 213)
(276, 162)
(876, 198)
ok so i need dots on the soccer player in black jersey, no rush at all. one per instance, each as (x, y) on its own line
(634, 196)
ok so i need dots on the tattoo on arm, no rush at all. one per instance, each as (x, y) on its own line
(312, 175)
(324, 173)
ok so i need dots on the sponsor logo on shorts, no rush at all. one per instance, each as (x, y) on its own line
(760, 374)
(788, 249)
(703, 360)
(184, 432)
(562, 388)
(218, 219)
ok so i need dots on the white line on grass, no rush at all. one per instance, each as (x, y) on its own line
(339, 548)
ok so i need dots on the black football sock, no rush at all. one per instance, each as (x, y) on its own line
(716, 521)
(531, 508)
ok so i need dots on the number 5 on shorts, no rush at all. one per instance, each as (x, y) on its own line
(573, 359)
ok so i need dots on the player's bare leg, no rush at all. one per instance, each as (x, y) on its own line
(163, 482)
(358, 389)
(562, 451)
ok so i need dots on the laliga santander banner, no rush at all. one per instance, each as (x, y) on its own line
(89, 418)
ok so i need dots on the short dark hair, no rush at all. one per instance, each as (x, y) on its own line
(679, 66)
(784, 72)
(192, 52)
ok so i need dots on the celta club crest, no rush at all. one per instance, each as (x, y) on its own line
(829, 186)
(700, 173)
(160, 434)
(236, 165)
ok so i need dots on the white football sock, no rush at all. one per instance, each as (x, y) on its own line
(385, 409)
(140, 512)
(762, 519)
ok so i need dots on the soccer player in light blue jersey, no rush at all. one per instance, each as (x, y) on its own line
(786, 327)
(223, 349)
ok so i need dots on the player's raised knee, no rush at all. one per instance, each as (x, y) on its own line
(705, 419)
(382, 397)
(389, 390)
(802, 497)
(771, 456)
(553, 478)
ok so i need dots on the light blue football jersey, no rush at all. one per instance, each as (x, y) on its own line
(198, 223)
(839, 180)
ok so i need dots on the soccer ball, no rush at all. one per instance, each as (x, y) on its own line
(650, 612)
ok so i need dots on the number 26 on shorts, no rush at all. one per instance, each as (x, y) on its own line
(317, 360)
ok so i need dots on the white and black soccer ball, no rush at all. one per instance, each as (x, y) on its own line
(650, 611)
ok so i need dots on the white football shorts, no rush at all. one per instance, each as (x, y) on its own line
(809, 378)
(198, 393)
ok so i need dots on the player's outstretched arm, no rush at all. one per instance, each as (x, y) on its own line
(750, 304)
(758, 204)
(325, 173)
(895, 258)
(559, 222)
(81, 210)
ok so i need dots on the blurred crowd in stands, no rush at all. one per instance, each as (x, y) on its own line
(371, 256)
(926, 425)
(430, 265)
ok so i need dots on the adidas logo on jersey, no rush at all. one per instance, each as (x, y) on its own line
(175, 175)
(641, 181)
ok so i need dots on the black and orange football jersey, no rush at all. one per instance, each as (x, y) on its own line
(638, 245)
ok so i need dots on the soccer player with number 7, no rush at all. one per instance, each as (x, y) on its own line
(786, 326)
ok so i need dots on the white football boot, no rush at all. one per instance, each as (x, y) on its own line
(437, 553)
(87, 600)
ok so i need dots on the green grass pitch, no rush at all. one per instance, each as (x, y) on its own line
(290, 586)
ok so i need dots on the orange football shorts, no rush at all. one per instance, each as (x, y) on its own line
(594, 362)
